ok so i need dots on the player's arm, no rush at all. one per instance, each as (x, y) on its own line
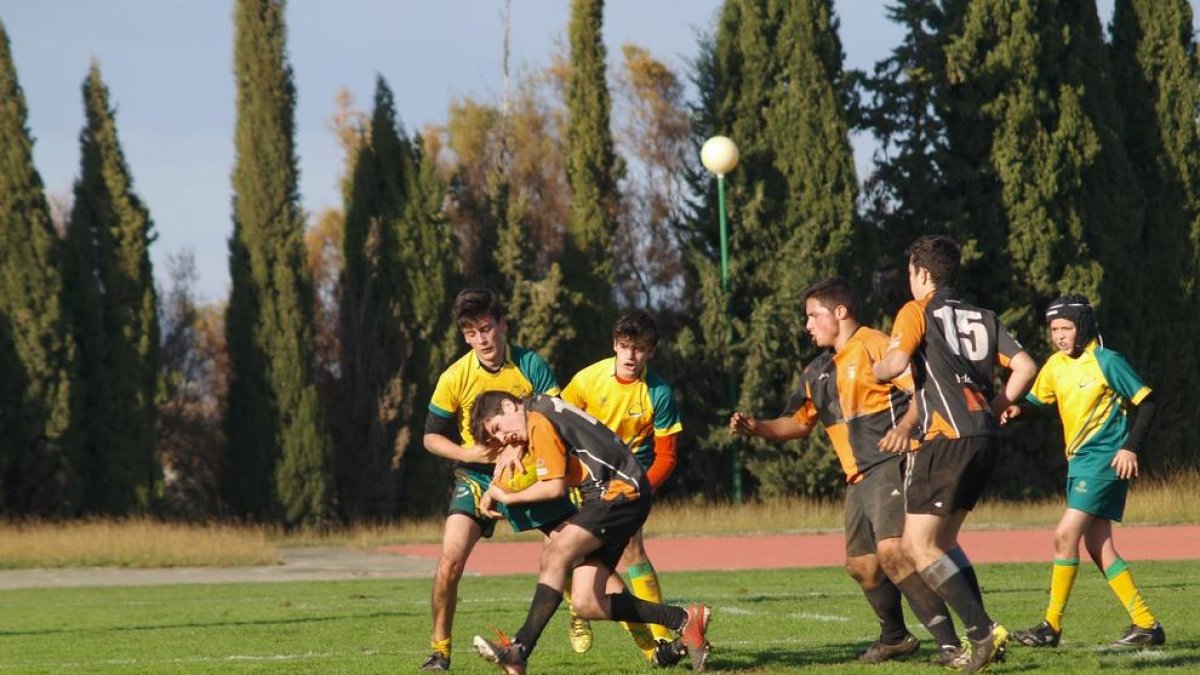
(438, 430)
(1022, 371)
(899, 437)
(540, 491)
(667, 426)
(907, 334)
(778, 429)
(1125, 462)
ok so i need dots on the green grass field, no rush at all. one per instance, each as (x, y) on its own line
(804, 620)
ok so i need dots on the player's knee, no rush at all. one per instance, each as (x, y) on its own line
(587, 606)
(864, 570)
(893, 561)
(634, 554)
(1066, 542)
(450, 569)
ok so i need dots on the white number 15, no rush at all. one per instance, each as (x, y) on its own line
(965, 332)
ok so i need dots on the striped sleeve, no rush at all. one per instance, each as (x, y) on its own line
(666, 411)
(537, 371)
(1121, 376)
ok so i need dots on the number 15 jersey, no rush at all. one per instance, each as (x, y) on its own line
(954, 349)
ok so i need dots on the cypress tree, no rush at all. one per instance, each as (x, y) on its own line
(1157, 72)
(773, 82)
(592, 170)
(113, 304)
(38, 453)
(279, 458)
(905, 193)
(1069, 214)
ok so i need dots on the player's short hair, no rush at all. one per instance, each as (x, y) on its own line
(637, 327)
(832, 292)
(488, 405)
(473, 304)
(939, 255)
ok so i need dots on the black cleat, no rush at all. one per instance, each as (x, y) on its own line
(436, 661)
(879, 652)
(503, 652)
(667, 653)
(947, 655)
(1041, 635)
(1137, 636)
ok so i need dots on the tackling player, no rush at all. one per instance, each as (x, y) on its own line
(1093, 388)
(492, 364)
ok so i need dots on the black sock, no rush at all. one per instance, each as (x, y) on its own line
(885, 600)
(930, 609)
(626, 607)
(948, 581)
(545, 604)
(964, 563)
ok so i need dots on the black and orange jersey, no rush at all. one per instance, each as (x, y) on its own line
(568, 443)
(855, 408)
(954, 348)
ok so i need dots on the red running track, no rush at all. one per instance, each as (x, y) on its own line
(825, 550)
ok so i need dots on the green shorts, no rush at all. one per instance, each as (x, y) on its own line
(469, 486)
(1102, 497)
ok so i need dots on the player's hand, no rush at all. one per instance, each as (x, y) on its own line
(487, 504)
(510, 456)
(897, 439)
(742, 424)
(1125, 462)
(477, 454)
(1009, 414)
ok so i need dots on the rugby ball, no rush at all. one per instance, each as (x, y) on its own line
(511, 481)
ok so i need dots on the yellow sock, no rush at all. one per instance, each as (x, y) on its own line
(644, 581)
(440, 646)
(1120, 579)
(1061, 581)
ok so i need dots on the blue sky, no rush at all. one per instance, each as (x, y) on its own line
(168, 65)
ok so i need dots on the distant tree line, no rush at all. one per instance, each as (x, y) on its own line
(1059, 159)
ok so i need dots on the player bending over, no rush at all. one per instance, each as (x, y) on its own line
(572, 448)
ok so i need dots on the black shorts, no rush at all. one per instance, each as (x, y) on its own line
(875, 507)
(949, 474)
(613, 523)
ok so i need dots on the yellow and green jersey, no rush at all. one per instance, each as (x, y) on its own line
(1093, 393)
(636, 411)
(524, 373)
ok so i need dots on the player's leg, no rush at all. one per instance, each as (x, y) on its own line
(862, 565)
(1070, 530)
(643, 582)
(947, 478)
(1107, 499)
(458, 540)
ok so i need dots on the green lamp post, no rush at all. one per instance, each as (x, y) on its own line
(720, 155)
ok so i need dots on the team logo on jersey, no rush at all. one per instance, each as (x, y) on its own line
(1086, 383)
(851, 371)
(1081, 487)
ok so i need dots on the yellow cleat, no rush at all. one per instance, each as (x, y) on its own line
(580, 634)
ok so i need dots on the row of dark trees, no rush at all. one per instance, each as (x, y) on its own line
(1061, 161)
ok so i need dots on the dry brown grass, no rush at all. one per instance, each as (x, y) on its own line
(148, 543)
(138, 542)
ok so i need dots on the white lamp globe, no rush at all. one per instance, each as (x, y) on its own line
(719, 155)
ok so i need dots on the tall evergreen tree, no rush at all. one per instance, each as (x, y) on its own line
(774, 83)
(1158, 74)
(375, 348)
(1060, 199)
(592, 171)
(39, 471)
(279, 459)
(906, 193)
(112, 299)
